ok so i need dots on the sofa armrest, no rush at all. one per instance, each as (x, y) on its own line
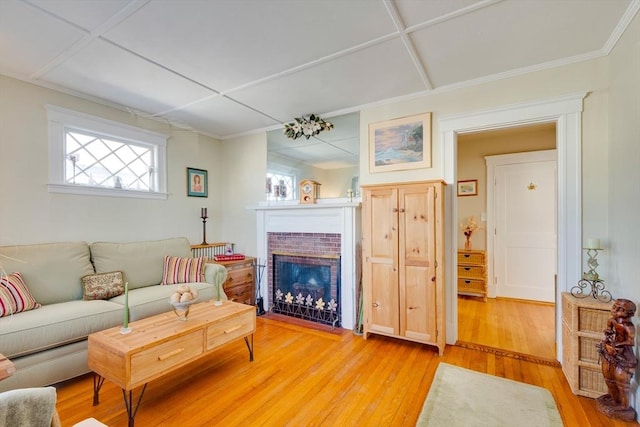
(211, 271)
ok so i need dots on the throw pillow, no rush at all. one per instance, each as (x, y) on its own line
(102, 285)
(22, 298)
(183, 270)
(7, 303)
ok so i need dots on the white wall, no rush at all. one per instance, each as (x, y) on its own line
(30, 214)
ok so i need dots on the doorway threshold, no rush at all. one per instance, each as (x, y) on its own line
(508, 353)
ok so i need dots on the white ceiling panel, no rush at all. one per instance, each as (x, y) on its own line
(86, 14)
(284, 58)
(219, 116)
(414, 12)
(512, 35)
(115, 75)
(229, 43)
(368, 75)
(29, 38)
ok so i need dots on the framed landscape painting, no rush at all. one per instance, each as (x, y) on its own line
(468, 187)
(197, 185)
(400, 144)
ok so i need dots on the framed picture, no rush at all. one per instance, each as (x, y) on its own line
(400, 144)
(197, 183)
(468, 187)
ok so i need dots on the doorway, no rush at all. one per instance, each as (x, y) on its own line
(499, 160)
(566, 113)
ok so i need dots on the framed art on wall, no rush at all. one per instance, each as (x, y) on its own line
(197, 183)
(400, 144)
(468, 187)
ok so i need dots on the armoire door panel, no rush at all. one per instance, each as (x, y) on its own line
(383, 301)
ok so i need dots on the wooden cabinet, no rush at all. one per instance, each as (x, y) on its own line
(583, 323)
(472, 276)
(403, 271)
(240, 285)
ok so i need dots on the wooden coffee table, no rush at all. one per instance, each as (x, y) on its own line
(161, 344)
(7, 368)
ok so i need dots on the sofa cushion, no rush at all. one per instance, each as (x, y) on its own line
(52, 270)
(103, 285)
(22, 298)
(182, 270)
(54, 325)
(141, 263)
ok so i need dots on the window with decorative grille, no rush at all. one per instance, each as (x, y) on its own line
(91, 155)
(280, 186)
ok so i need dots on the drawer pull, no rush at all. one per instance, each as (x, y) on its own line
(467, 268)
(170, 354)
(235, 328)
(466, 255)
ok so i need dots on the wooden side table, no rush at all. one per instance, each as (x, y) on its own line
(7, 368)
(240, 285)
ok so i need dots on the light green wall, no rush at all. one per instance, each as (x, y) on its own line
(623, 240)
(30, 214)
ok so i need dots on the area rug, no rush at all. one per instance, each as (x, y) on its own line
(460, 397)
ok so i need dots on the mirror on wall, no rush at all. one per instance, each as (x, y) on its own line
(331, 158)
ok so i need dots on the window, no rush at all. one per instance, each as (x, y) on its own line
(91, 155)
(280, 186)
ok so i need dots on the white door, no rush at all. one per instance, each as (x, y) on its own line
(525, 227)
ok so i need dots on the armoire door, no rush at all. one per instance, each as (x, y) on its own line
(417, 263)
(381, 263)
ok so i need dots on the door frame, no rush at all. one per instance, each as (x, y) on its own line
(566, 113)
(492, 163)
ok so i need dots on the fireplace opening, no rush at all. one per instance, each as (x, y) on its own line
(307, 287)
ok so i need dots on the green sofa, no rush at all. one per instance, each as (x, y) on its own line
(49, 344)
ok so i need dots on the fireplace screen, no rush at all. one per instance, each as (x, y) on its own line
(307, 287)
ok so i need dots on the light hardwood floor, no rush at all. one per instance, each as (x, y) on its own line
(306, 377)
(513, 325)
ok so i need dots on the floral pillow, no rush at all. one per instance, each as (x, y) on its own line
(183, 270)
(102, 285)
(14, 286)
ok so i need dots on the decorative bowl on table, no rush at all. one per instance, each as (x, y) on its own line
(181, 300)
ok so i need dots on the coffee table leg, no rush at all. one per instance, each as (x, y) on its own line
(97, 385)
(128, 403)
(250, 347)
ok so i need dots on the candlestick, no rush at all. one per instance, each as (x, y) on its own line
(125, 322)
(203, 215)
(592, 244)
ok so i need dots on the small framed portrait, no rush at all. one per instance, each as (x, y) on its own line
(468, 187)
(197, 183)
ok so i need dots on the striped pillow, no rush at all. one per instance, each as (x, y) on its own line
(7, 303)
(18, 290)
(183, 270)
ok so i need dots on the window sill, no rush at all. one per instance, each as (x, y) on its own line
(106, 192)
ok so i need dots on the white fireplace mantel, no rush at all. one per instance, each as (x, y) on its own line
(340, 216)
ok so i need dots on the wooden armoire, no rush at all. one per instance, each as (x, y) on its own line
(403, 261)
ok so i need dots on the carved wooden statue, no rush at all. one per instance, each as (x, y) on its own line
(618, 361)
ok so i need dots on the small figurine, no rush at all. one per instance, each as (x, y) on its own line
(618, 361)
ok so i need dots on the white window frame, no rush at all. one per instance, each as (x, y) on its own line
(60, 119)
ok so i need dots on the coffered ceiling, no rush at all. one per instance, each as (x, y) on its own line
(225, 68)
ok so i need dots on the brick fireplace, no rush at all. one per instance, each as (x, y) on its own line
(329, 229)
(304, 269)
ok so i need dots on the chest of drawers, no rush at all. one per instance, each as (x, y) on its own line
(472, 276)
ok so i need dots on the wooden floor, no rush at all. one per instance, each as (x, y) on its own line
(306, 377)
(508, 324)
